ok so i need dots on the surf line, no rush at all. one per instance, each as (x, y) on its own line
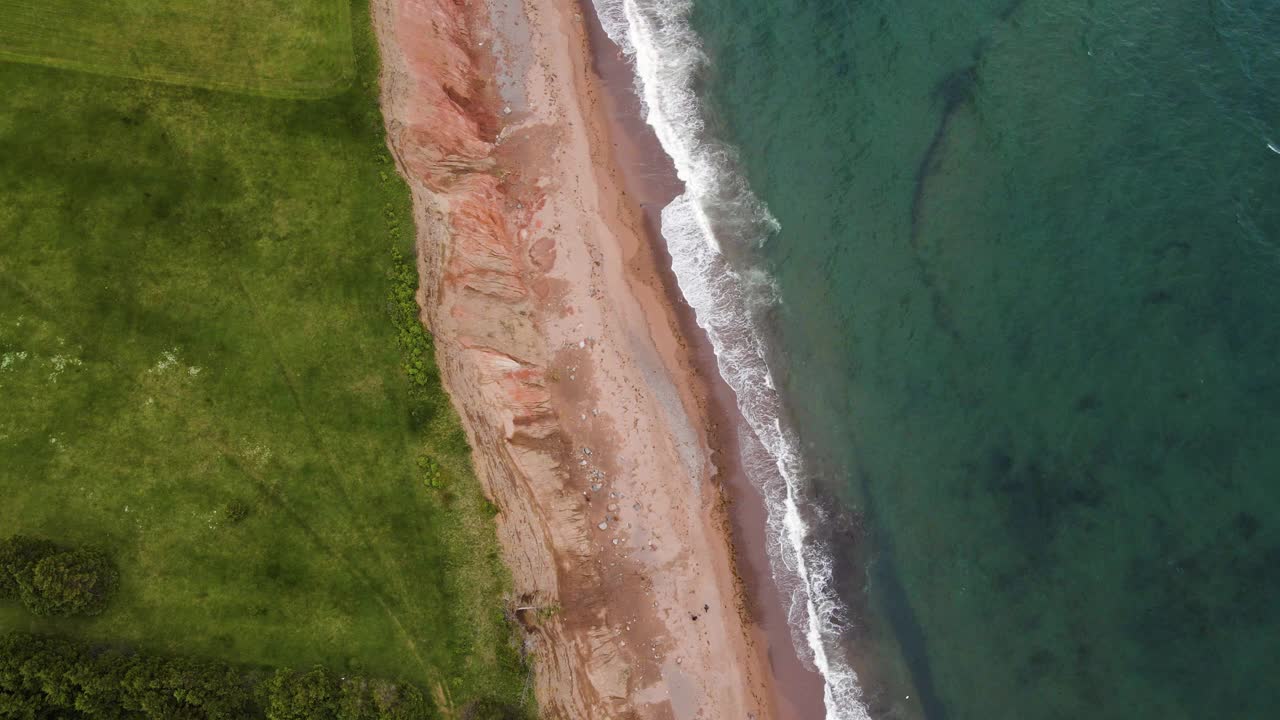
(718, 215)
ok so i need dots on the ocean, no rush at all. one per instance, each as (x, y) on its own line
(996, 284)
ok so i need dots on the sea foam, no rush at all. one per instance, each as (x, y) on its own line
(711, 231)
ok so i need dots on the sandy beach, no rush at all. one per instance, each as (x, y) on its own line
(599, 427)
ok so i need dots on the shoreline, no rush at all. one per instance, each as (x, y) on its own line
(650, 179)
(596, 429)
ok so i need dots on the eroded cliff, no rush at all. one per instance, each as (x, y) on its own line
(580, 435)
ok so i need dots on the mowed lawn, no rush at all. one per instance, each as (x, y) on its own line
(280, 48)
(195, 309)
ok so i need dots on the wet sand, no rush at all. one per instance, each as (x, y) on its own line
(650, 180)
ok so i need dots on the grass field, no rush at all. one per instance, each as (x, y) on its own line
(278, 48)
(196, 307)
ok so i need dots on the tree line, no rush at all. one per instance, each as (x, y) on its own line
(46, 677)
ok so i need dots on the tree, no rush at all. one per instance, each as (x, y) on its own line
(301, 696)
(354, 700)
(399, 701)
(70, 583)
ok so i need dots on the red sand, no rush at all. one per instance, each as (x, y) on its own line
(599, 426)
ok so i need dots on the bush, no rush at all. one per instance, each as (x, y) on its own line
(236, 511)
(75, 582)
(491, 710)
(414, 340)
(432, 475)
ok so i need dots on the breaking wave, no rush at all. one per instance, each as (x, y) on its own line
(711, 231)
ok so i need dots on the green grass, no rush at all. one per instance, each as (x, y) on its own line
(203, 300)
(278, 48)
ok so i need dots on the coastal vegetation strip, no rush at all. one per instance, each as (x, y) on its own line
(208, 370)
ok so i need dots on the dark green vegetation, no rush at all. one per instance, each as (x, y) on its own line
(53, 580)
(43, 677)
(1029, 264)
(210, 368)
(279, 49)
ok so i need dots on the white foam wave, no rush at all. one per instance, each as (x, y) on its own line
(709, 231)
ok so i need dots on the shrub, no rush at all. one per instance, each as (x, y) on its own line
(413, 339)
(491, 710)
(431, 472)
(236, 511)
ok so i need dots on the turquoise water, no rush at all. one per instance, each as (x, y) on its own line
(1028, 260)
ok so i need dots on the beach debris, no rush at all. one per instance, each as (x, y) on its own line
(586, 451)
(612, 507)
(603, 526)
(615, 541)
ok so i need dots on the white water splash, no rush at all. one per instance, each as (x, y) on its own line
(718, 216)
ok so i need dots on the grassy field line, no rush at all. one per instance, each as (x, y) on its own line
(265, 489)
(333, 463)
(297, 91)
(408, 639)
(291, 384)
(198, 314)
(232, 456)
(27, 294)
(105, 40)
